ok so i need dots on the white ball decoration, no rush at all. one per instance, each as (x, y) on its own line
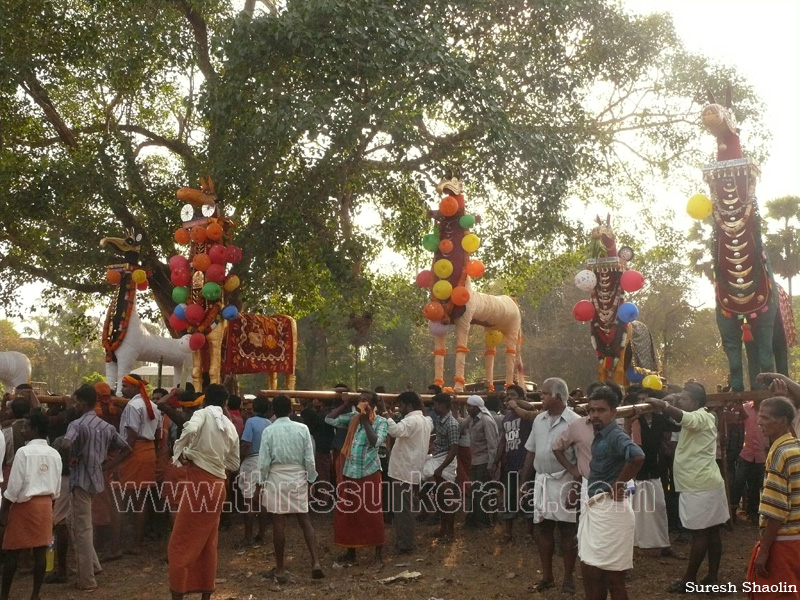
(585, 280)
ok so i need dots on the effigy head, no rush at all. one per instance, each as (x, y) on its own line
(721, 123)
(451, 183)
(128, 246)
(203, 200)
(603, 238)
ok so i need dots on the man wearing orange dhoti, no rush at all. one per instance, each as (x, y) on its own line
(209, 449)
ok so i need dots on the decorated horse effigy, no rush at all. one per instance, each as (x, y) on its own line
(751, 307)
(223, 341)
(453, 301)
(124, 338)
(624, 347)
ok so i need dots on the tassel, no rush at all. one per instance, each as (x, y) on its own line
(747, 335)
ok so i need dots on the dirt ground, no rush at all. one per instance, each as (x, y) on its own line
(478, 565)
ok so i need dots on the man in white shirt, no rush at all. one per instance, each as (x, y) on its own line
(34, 482)
(209, 450)
(140, 425)
(409, 452)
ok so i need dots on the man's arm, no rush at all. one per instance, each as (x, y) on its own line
(782, 386)
(124, 452)
(675, 413)
(767, 539)
(629, 471)
(308, 458)
(490, 427)
(527, 468)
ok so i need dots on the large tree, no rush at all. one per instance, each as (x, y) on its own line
(311, 112)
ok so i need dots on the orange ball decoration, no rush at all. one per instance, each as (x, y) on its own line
(113, 276)
(199, 234)
(214, 232)
(475, 268)
(201, 262)
(448, 206)
(433, 311)
(445, 246)
(460, 295)
(182, 236)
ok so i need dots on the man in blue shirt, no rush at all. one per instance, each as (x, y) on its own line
(605, 530)
(249, 478)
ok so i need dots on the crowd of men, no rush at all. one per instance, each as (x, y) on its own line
(582, 478)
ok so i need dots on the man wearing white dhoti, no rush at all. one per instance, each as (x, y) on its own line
(605, 531)
(286, 463)
(552, 484)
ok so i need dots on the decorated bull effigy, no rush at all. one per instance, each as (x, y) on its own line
(624, 347)
(751, 307)
(453, 301)
(223, 340)
(125, 339)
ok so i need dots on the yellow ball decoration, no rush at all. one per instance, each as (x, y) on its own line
(652, 382)
(470, 243)
(139, 276)
(442, 289)
(443, 268)
(231, 283)
(492, 338)
(699, 206)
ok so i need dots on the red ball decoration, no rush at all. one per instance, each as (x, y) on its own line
(179, 261)
(425, 279)
(234, 254)
(433, 311)
(141, 286)
(199, 234)
(445, 246)
(195, 314)
(460, 295)
(583, 311)
(460, 199)
(180, 277)
(218, 254)
(215, 273)
(201, 262)
(448, 206)
(197, 341)
(631, 281)
(177, 323)
(214, 232)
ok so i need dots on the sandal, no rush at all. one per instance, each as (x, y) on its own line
(677, 587)
(317, 574)
(543, 586)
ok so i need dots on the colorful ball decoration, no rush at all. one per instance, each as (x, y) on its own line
(230, 312)
(139, 276)
(699, 206)
(633, 375)
(113, 276)
(652, 382)
(201, 262)
(212, 291)
(214, 232)
(442, 289)
(445, 246)
(142, 286)
(475, 269)
(179, 261)
(470, 242)
(448, 206)
(492, 338)
(460, 295)
(177, 323)
(218, 254)
(443, 268)
(234, 254)
(585, 280)
(631, 281)
(467, 221)
(430, 242)
(180, 311)
(180, 294)
(180, 277)
(627, 312)
(231, 283)
(583, 311)
(215, 273)
(195, 313)
(437, 328)
(182, 236)
(197, 341)
(198, 234)
(424, 279)
(433, 311)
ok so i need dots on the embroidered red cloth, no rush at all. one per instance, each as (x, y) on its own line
(256, 344)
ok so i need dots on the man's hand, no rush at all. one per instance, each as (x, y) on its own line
(364, 417)
(760, 563)
(768, 378)
(573, 495)
(657, 404)
(437, 475)
(618, 491)
(779, 388)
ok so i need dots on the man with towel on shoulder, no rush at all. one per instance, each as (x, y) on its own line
(605, 531)
(286, 462)
(208, 449)
(553, 483)
(484, 437)
(703, 503)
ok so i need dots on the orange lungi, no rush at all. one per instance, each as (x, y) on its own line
(30, 524)
(170, 489)
(140, 469)
(193, 543)
(358, 518)
(103, 503)
(782, 568)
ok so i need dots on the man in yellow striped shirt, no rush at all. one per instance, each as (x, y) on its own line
(773, 572)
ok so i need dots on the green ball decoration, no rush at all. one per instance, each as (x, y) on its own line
(466, 221)
(430, 242)
(212, 291)
(179, 295)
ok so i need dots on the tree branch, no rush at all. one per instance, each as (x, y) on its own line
(34, 89)
(52, 277)
(200, 30)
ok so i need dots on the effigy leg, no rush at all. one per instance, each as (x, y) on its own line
(439, 352)
(272, 381)
(197, 370)
(731, 333)
(512, 348)
(488, 361)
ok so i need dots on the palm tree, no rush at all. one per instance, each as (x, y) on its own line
(783, 248)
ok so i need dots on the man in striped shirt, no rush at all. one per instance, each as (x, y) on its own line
(776, 556)
(88, 439)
